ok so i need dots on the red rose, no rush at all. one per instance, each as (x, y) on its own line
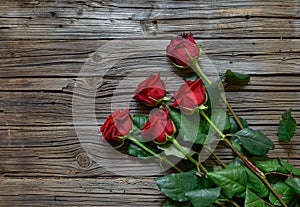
(118, 124)
(151, 90)
(183, 48)
(158, 126)
(190, 95)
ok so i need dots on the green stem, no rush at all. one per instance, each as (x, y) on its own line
(233, 203)
(166, 160)
(212, 124)
(231, 111)
(283, 174)
(256, 171)
(249, 164)
(200, 71)
(290, 150)
(198, 164)
(202, 74)
(221, 202)
(203, 169)
(215, 156)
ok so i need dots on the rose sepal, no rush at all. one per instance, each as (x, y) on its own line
(163, 100)
(201, 50)
(202, 107)
(180, 66)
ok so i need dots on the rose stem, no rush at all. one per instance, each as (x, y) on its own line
(231, 111)
(202, 74)
(204, 170)
(290, 150)
(215, 156)
(255, 171)
(233, 202)
(220, 202)
(154, 154)
(259, 174)
(249, 164)
(188, 156)
(282, 174)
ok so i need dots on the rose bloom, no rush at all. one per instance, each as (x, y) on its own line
(118, 124)
(158, 126)
(190, 95)
(151, 90)
(182, 48)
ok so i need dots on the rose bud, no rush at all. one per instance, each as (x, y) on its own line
(182, 50)
(151, 90)
(158, 126)
(117, 125)
(190, 95)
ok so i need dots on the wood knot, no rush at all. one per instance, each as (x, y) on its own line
(79, 11)
(83, 160)
(97, 58)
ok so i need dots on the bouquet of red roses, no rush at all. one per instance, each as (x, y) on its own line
(190, 116)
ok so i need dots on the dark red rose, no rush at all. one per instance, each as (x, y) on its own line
(189, 36)
(158, 126)
(190, 95)
(118, 124)
(183, 48)
(151, 90)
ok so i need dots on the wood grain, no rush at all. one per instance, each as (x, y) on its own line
(78, 192)
(56, 152)
(67, 58)
(46, 45)
(118, 19)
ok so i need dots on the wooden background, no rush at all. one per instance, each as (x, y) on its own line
(44, 45)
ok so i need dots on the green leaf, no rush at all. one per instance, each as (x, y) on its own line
(176, 185)
(269, 165)
(171, 203)
(190, 127)
(231, 78)
(191, 76)
(256, 185)
(285, 191)
(221, 119)
(233, 181)
(253, 200)
(204, 182)
(237, 144)
(214, 93)
(172, 150)
(294, 184)
(234, 126)
(203, 197)
(287, 126)
(139, 120)
(255, 142)
(175, 115)
(290, 168)
(136, 151)
(235, 163)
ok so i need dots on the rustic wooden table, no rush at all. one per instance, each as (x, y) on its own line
(44, 45)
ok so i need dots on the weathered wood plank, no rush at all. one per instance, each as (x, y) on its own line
(44, 45)
(56, 152)
(67, 58)
(106, 19)
(48, 108)
(60, 151)
(79, 192)
(278, 83)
